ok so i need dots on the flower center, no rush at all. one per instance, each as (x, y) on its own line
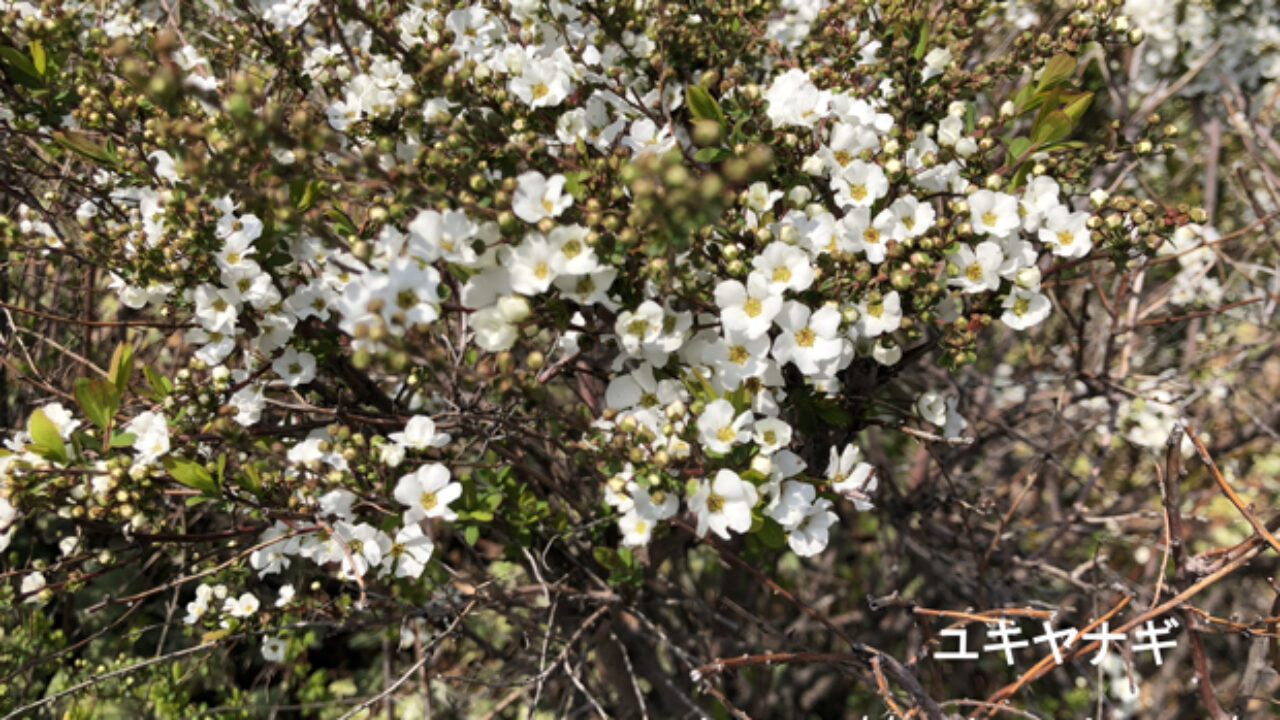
(805, 337)
(973, 272)
(752, 307)
(1021, 306)
(427, 501)
(1065, 238)
(726, 434)
(539, 90)
(715, 503)
(875, 310)
(858, 192)
(781, 275)
(989, 218)
(640, 527)
(541, 270)
(738, 355)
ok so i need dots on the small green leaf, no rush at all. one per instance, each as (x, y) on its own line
(80, 143)
(121, 367)
(1051, 127)
(191, 474)
(922, 45)
(481, 516)
(471, 534)
(38, 59)
(1018, 147)
(159, 383)
(1058, 69)
(1076, 106)
(20, 67)
(702, 105)
(98, 399)
(122, 439)
(44, 435)
(772, 534)
(712, 154)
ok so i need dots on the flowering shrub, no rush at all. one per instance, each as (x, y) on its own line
(370, 307)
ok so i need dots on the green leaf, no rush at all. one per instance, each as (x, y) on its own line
(1058, 69)
(922, 45)
(20, 67)
(80, 143)
(159, 383)
(122, 439)
(702, 105)
(1051, 127)
(471, 534)
(45, 438)
(121, 367)
(1077, 105)
(191, 474)
(712, 154)
(772, 534)
(98, 399)
(1018, 147)
(38, 59)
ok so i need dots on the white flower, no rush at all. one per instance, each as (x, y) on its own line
(636, 530)
(720, 427)
(1065, 232)
(794, 100)
(538, 196)
(914, 216)
(849, 477)
(216, 308)
(979, 267)
(541, 83)
(32, 584)
(869, 236)
(784, 267)
(533, 265)
(637, 328)
(286, 595)
(411, 551)
(748, 310)
(273, 558)
(428, 492)
(809, 339)
(860, 185)
(932, 407)
(645, 138)
(771, 434)
(792, 504)
(420, 432)
(295, 368)
(935, 62)
(365, 546)
(241, 607)
(724, 504)
(273, 650)
(876, 319)
(151, 440)
(810, 536)
(1025, 308)
(655, 505)
(993, 213)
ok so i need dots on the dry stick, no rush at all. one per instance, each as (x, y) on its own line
(899, 673)
(883, 688)
(1231, 494)
(1047, 662)
(414, 668)
(1177, 543)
